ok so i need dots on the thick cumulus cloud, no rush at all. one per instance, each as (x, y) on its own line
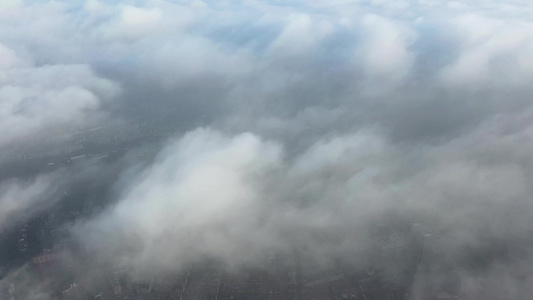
(179, 191)
(319, 120)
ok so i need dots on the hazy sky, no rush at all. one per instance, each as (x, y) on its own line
(298, 119)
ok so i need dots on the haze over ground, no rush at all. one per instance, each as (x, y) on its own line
(299, 124)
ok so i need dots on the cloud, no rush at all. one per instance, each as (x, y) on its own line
(495, 53)
(178, 190)
(37, 100)
(386, 51)
(299, 125)
(300, 36)
(20, 200)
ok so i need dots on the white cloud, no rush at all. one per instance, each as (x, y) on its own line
(203, 193)
(135, 22)
(386, 49)
(20, 200)
(37, 100)
(300, 35)
(493, 52)
(8, 58)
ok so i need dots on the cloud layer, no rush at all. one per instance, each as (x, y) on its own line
(301, 124)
